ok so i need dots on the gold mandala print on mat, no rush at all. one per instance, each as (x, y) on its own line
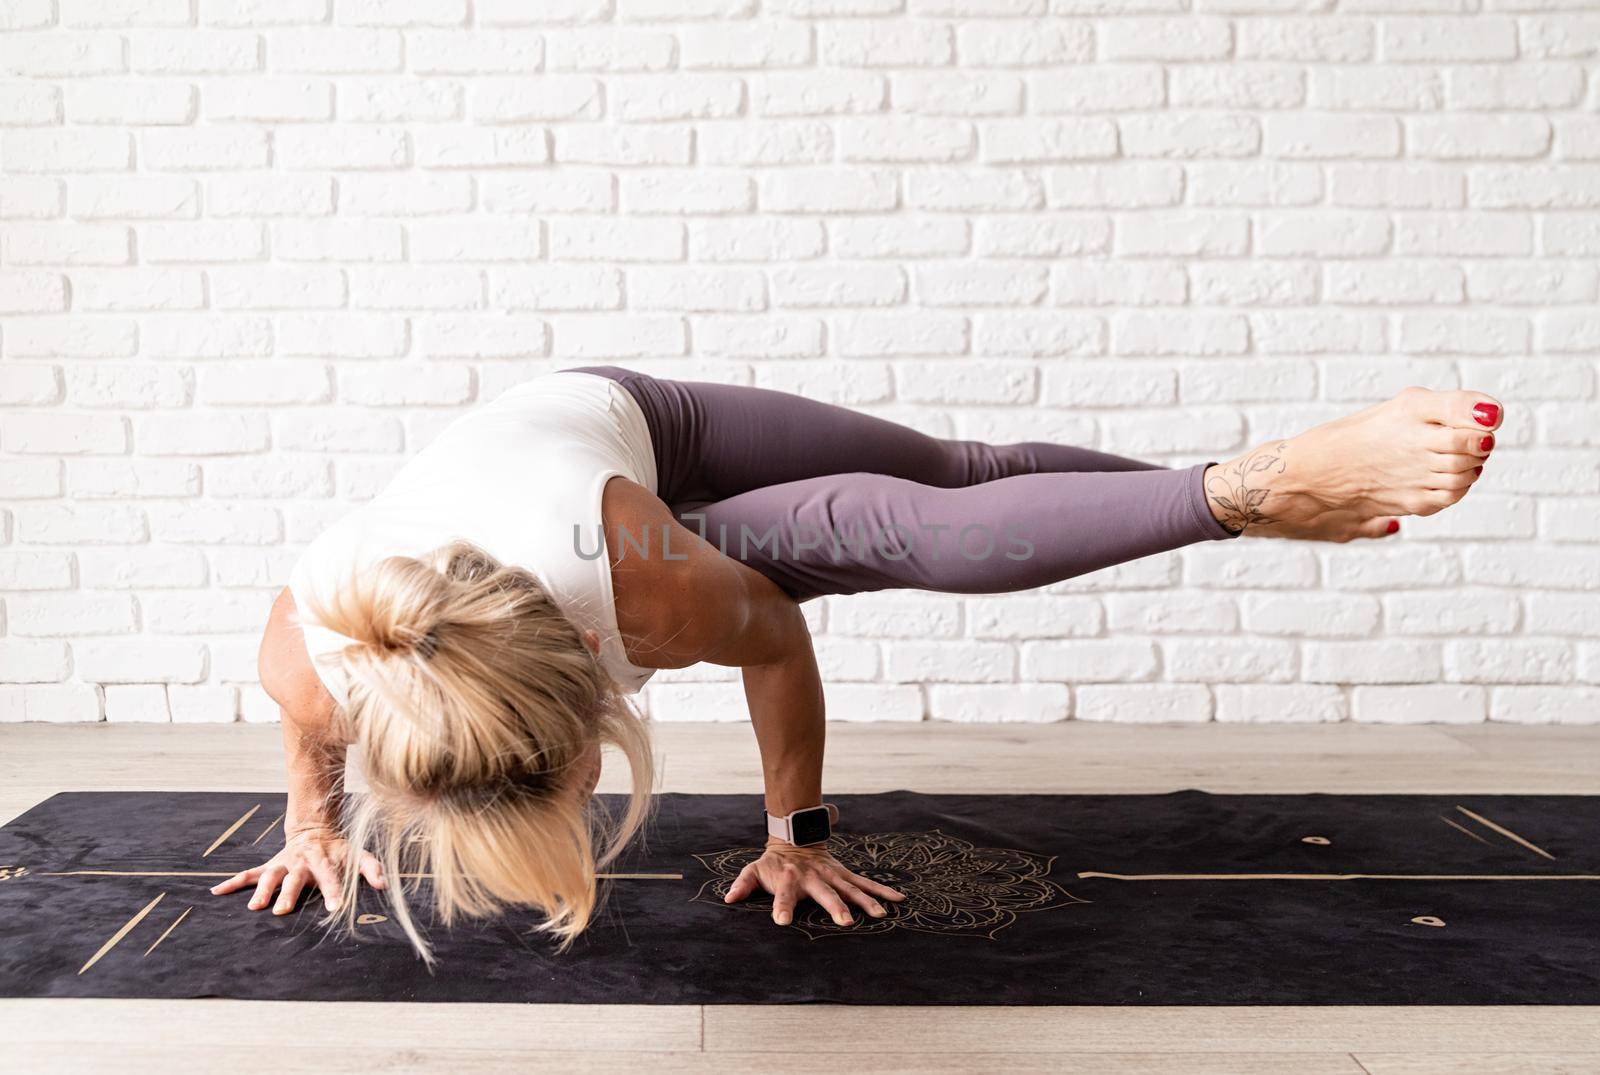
(952, 886)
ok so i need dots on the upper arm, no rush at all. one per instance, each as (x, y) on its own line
(286, 672)
(682, 601)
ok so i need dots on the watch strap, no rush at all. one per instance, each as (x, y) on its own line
(783, 827)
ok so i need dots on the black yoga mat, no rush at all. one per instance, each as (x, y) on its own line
(1185, 898)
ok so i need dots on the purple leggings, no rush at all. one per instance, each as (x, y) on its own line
(825, 500)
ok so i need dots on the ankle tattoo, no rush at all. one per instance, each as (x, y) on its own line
(1240, 488)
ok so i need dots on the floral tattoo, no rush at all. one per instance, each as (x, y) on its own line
(1231, 488)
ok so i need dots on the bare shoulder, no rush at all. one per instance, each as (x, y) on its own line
(286, 672)
(676, 594)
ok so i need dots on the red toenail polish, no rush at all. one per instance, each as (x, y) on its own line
(1486, 443)
(1477, 470)
(1394, 526)
(1486, 414)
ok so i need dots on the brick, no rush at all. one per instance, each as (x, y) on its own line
(1261, 284)
(141, 660)
(200, 433)
(142, 568)
(1272, 703)
(867, 44)
(131, 103)
(843, 93)
(34, 615)
(275, 100)
(202, 241)
(611, 50)
(1188, 135)
(1028, 335)
(1472, 137)
(1224, 660)
(1104, 282)
(1089, 660)
(1252, 86)
(1033, 703)
(137, 702)
(60, 54)
(29, 479)
(550, 98)
(1097, 88)
(1421, 704)
(1388, 661)
(65, 434)
(69, 150)
(1242, 184)
(1144, 703)
(1191, 38)
(1545, 705)
(203, 704)
(1375, 186)
(127, 386)
(1409, 283)
(99, 479)
(1505, 660)
(1176, 234)
(33, 662)
(1314, 39)
(1376, 88)
(196, 52)
(1435, 38)
(30, 386)
(216, 524)
(808, 190)
(202, 149)
(994, 191)
(60, 703)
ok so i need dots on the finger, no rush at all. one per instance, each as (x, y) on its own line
(289, 894)
(821, 891)
(742, 885)
(783, 902)
(372, 870)
(266, 885)
(857, 896)
(329, 883)
(242, 879)
(867, 884)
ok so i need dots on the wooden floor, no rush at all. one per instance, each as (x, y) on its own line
(127, 1036)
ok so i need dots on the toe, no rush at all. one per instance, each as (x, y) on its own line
(1381, 527)
(1458, 409)
(1486, 411)
(1458, 482)
(1462, 448)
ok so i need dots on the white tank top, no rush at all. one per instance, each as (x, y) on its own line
(515, 477)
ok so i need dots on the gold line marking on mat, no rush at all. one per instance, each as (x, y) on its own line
(1507, 833)
(123, 932)
(266, 830)
(248, 814)
(204, 873)
(1342, 876)
(1464, 829)
(169, 929)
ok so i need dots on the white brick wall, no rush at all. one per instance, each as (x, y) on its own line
(253, 253)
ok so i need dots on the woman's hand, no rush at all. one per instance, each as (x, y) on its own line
(313, 857)
(790, 872)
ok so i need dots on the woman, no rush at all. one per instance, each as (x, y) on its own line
(474, 630)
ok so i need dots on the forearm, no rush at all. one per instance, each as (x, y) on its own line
(315, 765)
(787, 712)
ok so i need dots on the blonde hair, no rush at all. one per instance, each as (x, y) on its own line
(471, 700)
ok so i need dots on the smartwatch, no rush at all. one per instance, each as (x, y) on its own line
(813, 825)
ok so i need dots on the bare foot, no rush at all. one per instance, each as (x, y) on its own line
(1415, 454)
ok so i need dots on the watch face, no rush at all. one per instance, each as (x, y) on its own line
(811, 826)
